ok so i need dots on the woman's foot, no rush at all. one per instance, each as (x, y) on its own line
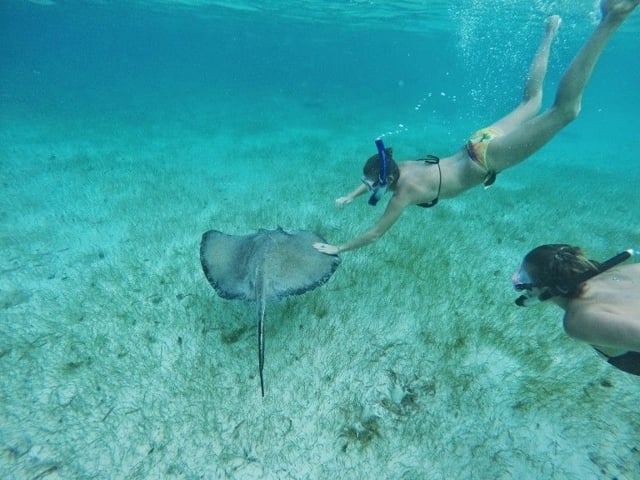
(619, 8)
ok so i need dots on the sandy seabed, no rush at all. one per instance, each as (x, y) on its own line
(118, 360)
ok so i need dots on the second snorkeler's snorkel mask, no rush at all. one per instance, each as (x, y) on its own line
(380, 187)
(521, 281)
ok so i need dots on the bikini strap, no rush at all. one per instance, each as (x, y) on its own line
(433, 160)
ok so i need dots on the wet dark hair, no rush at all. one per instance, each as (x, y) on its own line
(371, 167)
(558, 267)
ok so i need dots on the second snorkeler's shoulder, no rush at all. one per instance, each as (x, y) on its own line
(612, 285)
(613, 296)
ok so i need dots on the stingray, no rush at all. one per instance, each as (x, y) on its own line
(269, 264)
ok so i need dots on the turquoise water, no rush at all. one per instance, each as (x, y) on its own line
(127, 129)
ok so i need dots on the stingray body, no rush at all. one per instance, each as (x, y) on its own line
(269, 264)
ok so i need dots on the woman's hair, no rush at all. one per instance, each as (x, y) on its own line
(371, 168)
(559, 267)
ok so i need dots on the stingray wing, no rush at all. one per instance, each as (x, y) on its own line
(292, 266)
(288, 262)
(229, 262)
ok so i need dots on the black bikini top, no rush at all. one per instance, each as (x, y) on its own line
(432, 160)
(627, 362)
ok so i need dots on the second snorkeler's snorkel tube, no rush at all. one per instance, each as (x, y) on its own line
(524, 301)
(381, 186)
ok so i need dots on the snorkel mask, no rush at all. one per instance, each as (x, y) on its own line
(378, 188)
(539, 293)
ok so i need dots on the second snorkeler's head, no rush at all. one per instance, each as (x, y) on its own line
(552, 270)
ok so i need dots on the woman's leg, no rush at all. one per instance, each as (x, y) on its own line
(532, 98)
(518, 144)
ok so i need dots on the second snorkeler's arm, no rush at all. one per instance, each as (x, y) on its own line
(391, 214)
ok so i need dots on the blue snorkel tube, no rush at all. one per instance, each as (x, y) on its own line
(381, 187)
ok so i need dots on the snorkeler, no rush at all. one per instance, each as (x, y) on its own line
(491, 150)
(601, 301)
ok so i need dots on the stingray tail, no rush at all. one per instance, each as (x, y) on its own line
(262, 304)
